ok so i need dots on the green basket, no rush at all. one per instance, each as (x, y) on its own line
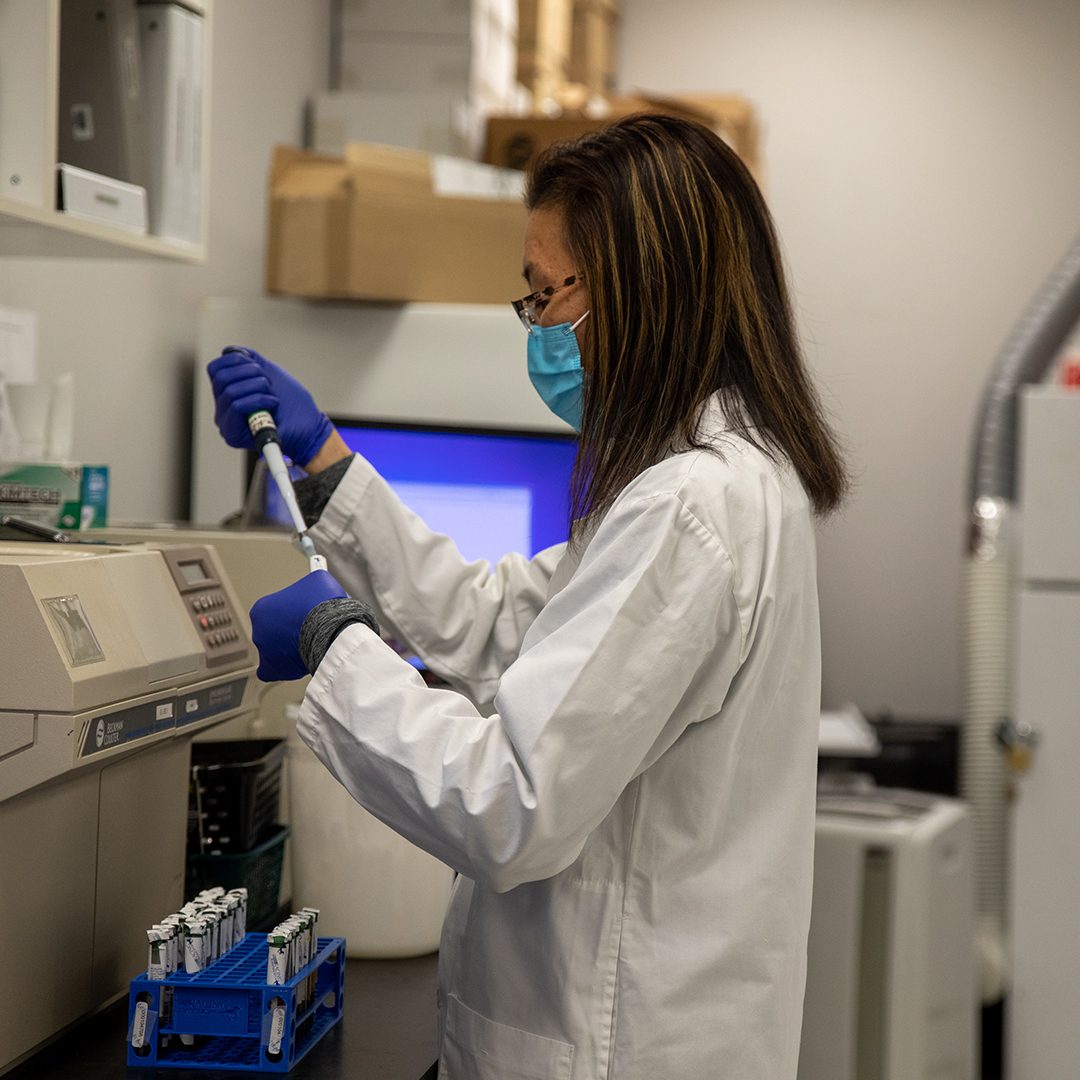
(257, 870)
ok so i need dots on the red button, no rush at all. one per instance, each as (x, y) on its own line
(204, 622)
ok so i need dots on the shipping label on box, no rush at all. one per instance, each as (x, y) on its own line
(56, 496)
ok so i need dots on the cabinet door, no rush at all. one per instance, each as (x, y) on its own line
(1044, 1040)
(48, 846)
(27, 78)
(141, 843)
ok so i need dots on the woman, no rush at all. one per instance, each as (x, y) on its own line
(630, 800)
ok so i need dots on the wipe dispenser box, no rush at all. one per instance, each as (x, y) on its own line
(230, 1007)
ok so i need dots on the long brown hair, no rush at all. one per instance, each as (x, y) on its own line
(687, 298)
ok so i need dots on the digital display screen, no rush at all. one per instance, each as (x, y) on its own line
(491, 491)
(193, 573)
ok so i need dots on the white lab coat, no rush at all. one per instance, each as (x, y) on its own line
(634, 822)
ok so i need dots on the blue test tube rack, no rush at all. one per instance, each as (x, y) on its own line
(228, 1007)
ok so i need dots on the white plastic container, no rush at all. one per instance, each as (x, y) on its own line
(97, 198)
(384, 895)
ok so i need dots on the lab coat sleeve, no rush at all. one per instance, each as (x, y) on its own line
(644, 640)
(465, 620)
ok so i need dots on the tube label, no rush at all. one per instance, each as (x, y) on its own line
(277, 973)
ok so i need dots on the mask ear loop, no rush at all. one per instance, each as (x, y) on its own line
(574, 326)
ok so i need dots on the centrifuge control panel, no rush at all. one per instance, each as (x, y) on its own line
(223, 635)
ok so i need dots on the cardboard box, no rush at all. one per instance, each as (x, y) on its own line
(514, 142)
(594, 45)
(57, 496)
(384, 223)
(544, 36)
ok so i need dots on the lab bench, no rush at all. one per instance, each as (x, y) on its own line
(388, 1032)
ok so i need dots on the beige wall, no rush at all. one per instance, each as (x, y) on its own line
(923, 161)
(127, 327)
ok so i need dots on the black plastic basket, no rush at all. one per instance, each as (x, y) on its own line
(258, 871)
(233, 796)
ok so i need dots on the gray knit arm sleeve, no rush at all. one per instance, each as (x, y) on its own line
(313, 492)
(325, 622)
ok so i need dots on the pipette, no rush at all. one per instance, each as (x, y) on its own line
(264, 431)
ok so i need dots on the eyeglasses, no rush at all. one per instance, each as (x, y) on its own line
(526, 307)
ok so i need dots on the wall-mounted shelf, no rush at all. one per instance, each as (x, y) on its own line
(29, 90)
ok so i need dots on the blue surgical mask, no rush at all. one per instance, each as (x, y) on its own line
(555, 369)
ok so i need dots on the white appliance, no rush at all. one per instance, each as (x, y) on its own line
(111, 658)
(1044, 1037)
(890, 991)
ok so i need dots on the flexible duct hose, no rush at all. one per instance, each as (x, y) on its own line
(1029, 350)
(988, 699)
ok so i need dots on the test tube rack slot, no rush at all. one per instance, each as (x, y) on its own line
(229, 1007)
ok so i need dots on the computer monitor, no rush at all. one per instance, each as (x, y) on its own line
(491, 490)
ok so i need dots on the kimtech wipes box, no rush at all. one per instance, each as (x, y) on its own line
(58, 496)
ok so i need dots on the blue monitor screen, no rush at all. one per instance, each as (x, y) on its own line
(491, 491)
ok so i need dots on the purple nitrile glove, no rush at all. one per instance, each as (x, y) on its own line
(277, 619)
(245, 382)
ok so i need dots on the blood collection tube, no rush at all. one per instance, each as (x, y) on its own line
(140, 1022)
(277, 958)
(157, 963)
(277, 1029)
(194, 953)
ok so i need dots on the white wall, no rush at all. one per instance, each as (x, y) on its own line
(127, 327)
(923, 160)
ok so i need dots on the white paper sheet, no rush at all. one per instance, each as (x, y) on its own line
(18, 345)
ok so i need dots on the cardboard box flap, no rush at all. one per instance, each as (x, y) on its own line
(286, 157)
(313, 180)
(391, 162)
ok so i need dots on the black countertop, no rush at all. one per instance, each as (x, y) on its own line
(388, 1032)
